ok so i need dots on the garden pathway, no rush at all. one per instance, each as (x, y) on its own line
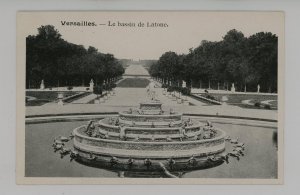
(85, 99)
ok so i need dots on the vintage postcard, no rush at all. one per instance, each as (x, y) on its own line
(150, 97)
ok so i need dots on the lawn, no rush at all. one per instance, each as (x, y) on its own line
(274, 103)
(43, 97)
(134, 82)
(236, 99)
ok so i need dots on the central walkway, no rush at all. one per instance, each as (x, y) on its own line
(127, 97)
(133, 96)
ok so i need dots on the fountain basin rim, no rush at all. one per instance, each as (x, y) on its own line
(76, 133)
(150, 128)
(182, 154)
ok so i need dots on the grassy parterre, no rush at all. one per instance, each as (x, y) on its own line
(134, 82)
(236, 99)
(43, 97)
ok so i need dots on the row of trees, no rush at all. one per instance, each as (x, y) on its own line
(60, 63)
(245, 61)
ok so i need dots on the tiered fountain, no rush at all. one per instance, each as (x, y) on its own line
(149, 138)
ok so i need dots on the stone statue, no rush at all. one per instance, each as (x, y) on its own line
(91, 85)
(232, 87)
(122, 132)
(60, 98)
(90, 128)
(258, 88)
(42, 86)
(183, 84)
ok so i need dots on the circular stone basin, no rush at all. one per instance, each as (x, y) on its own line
(158, 152)
(129, 147)
(148, 149)
(259, 161)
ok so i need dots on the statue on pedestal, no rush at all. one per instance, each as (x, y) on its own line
(183, 84)
(60, 98)
(151, 92)
(42, 86)
(232, 87)
(91, 85)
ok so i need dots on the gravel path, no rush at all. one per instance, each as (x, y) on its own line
(85, 99)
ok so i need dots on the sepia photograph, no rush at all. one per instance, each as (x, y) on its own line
(150, 97)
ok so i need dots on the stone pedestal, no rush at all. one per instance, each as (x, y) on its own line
(60, 102)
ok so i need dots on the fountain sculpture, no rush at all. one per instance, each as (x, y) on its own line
(149, 139)
(145, 138)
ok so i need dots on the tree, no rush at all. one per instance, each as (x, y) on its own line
(59, 62)
(48, 32)
(263, 48)
(244, 61)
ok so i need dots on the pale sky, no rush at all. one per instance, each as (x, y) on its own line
(185, 29)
